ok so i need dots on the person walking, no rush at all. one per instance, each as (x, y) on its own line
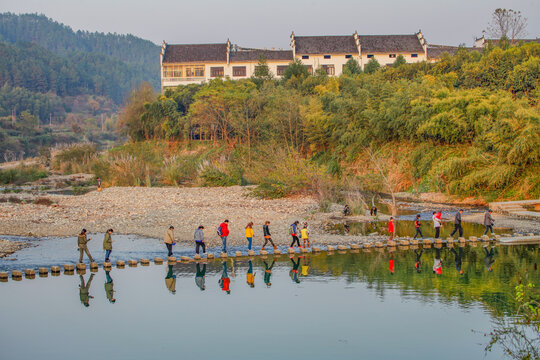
(457, 224)
(373, 211)
(293, 231)
(107, 244)
(223, 232)
(305, 235)
(249, 234)
(391, 228)
(267, 236)
(82, 241)
(250, 276)
(109, 287)
(199, 240)
(417, 225)
(488, 221)
(199, 276)
(346, 210)
(437, 223)
(169, 240)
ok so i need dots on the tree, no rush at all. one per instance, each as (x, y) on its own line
(262, 71)
(295, 70)
(400, 60)
(507, 24)
(129, 121)
(352, 67)
(372, 66)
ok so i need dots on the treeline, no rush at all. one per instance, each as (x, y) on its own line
(468, 124)
(31, 67)
(61, 39)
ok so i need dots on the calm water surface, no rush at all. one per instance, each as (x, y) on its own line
(316, 307)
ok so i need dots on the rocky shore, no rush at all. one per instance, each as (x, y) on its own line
(149, 212)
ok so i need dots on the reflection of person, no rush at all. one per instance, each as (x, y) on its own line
(294, 272)
(107, 244)
(170, 280)
(199, 240)
(305, 266)
(457, 224)
(250, 276)
(199, 276)
(225, 282)
(267, 236)
(268, 272)
(82, 241)
(84, 290)
(458, 256)
(489, 259)
(169, 240)
(488, 221)
(437, 262)
(109, 287)
(418, 263)
(391, 263)
(417, 225)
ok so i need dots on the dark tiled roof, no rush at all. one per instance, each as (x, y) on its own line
(325, 44)
(254, 54)
(436, 51)
(388, 43)
(195, 52)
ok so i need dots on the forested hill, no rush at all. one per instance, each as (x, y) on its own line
(61, 39)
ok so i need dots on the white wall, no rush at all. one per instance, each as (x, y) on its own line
(384, 58)
(338, 60)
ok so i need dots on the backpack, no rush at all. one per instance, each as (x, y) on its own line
(219, 230)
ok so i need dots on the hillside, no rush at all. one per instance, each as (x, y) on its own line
(61, 86)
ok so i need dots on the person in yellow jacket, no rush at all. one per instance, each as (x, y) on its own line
(82, 240)
(305, 235)
(249, 234)
(169, 239)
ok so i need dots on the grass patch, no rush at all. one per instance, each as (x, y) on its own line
(22, 174)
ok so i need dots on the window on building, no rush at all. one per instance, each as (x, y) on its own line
(177, 72)
(370, 56)
(348, 56)
(216, 71)
(330, 69)
(281, 70)
(414, 55)
(239, 71)
(199, 71)
(392, 56)
(305, 57)
(309, 69)
(327, 56)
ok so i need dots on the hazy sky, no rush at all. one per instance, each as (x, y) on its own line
(255, 23)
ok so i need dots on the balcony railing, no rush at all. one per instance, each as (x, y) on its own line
(180, 79)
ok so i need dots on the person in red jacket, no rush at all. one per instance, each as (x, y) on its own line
(225, 282)
(391, 228)
(223, 232)
(417, 225)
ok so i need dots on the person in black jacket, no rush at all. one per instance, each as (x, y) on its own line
(457, 224)
(417, 225)
(267, 236)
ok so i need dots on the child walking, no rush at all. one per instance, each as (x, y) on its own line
(305, 235)
(267, 236)
(249, 234)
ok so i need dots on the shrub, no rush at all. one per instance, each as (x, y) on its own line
(43, 201)
(22, 174)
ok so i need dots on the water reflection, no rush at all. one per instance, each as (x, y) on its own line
(294, 271)
(268, 271)
(418, 261)
(458, 256)
(225, 282)
(250, 276)
(170, 279)
(109, 287)
(84, 290)
(200, 276)
(490, 258)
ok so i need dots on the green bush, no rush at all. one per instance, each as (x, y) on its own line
(22, 174)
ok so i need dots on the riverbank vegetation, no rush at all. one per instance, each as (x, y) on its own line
(467, 125)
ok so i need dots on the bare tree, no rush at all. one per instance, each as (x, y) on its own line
(507, 23)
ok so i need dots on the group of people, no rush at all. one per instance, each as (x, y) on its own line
(438, 224)
(489, 260)
(295, 231)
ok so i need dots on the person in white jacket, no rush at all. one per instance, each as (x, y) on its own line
(437, 224)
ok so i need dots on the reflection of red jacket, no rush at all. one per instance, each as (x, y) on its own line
(391, 265)
(391, 226)
(224, 229)
(225, 284)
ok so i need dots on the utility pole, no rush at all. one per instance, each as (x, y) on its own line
(13, 117)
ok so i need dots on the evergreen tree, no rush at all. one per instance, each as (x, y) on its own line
(372, 66)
